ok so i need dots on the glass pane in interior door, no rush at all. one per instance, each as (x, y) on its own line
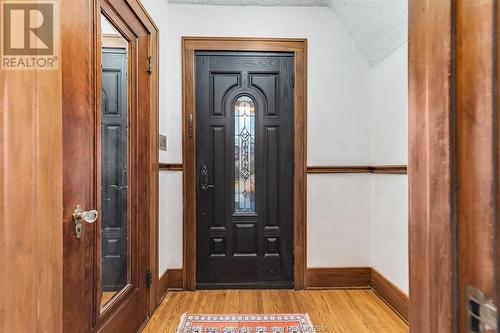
(114, 163)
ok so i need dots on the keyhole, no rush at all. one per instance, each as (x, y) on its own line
(78, 228)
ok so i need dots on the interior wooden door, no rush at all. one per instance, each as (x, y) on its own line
(107, 181)
(244, 145)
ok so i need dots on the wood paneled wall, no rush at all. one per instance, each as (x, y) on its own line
(31, 201)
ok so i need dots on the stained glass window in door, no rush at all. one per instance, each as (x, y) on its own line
(244, 155)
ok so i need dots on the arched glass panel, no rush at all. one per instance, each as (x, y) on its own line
(244, 155)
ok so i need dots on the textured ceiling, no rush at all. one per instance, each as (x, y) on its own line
(377, 26)
(315, 3)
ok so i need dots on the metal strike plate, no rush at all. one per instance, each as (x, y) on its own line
(163, 142)
(481, 312)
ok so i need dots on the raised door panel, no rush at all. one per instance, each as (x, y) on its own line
(244, 138)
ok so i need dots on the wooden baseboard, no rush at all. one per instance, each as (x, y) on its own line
(175, 279)
(162, 287)
(339, 277)
(391, 294)
(360, 277)
(321, 278)
(170, 280)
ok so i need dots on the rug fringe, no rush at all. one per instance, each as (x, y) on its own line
(181, 322)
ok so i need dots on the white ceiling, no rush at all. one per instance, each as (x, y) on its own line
(315, 3)
(377, 26)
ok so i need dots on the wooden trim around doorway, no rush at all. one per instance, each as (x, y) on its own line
(189, 46)
(431, 166)
(154, 144)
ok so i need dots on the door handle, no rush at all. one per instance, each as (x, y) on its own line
(80, 216)
(207, 186)
(204, 179)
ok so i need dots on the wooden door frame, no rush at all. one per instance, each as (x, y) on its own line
(153, 153)
(453, 108)
(80, 44)
(432, 234)
(299, 48)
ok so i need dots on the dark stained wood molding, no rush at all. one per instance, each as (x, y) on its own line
(171, 166)
(431, 184)
(162, 286)
(338, 277)
(175, 279)
(338, 169)
(170, 280)
(299, 47)
(380, 169)
(390, 169)
(390, 293)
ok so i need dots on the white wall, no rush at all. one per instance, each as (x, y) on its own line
(389, 145)
(389, 228)
(338, 220)
(356, 116)
(170, 237)
(338, 100)
(389, 109)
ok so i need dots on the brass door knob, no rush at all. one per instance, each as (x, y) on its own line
(80, 216)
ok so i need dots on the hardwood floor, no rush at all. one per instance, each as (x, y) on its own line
(107, 296)
(331, 311)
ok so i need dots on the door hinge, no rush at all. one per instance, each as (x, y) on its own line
(481, 312)
(293, 80)
(150, 65)
(149, 278)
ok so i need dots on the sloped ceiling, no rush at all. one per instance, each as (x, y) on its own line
(310, 3)
(377, 26)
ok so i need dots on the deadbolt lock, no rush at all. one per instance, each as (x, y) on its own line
(80, 216)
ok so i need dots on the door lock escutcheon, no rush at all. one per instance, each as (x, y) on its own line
(80, 216)
(204, 179)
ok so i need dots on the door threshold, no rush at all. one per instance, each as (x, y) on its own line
(259, 285)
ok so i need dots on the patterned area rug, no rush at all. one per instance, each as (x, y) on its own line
(227, 323)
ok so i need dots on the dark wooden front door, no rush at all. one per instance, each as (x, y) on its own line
(244, 161)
